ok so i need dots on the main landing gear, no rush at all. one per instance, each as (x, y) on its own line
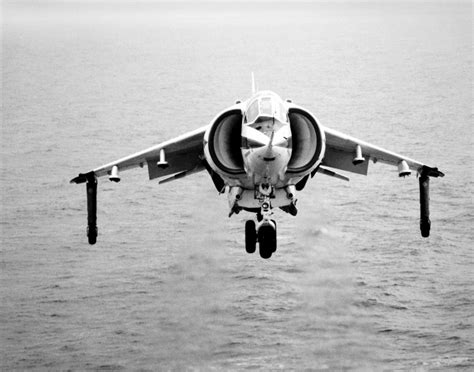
(264, 232)
(265, 235)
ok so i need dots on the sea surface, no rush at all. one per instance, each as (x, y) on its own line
(169, 286)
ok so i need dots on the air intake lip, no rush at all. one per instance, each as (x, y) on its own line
(225, 140)
(307, 141)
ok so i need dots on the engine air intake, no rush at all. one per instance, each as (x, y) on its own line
(307, 139)
(225, 142)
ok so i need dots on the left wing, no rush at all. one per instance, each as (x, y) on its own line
(181, 155)
(185, 155)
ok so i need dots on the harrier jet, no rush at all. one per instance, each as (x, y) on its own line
(260, 152)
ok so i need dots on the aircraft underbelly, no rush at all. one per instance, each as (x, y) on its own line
(264, 166)
(249, 199)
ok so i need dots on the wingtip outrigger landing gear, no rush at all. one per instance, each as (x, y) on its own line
(91, 188)
(92, 230)
(424, 181)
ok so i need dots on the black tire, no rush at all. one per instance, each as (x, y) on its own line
(267, 241)
(250, 236)
(276, 234)
(425, 228)
(92, 233)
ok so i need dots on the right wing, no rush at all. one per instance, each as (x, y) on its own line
(183, 154)
(341, 153)
(353, 155)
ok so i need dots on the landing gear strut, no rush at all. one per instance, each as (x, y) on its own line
(265, 231)
(424, 180)
(91, 189)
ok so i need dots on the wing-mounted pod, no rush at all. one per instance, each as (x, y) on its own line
(425, 173)
(222, 143)
(91, 189)
(308, 142)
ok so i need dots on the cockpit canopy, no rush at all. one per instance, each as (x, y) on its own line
(264, 106)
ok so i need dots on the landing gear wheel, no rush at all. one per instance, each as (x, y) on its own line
(267, 241)
(92, 233)
(276, 234)
(250, 236)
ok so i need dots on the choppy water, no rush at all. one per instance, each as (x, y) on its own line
(169, 285)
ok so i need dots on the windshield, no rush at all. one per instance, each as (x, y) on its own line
(265, 106)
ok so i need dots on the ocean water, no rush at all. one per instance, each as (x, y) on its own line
(169, 286)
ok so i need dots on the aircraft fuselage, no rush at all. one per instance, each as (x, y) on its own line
(269, 168)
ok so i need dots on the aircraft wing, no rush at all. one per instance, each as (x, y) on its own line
(351, 154)
(179, 156)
